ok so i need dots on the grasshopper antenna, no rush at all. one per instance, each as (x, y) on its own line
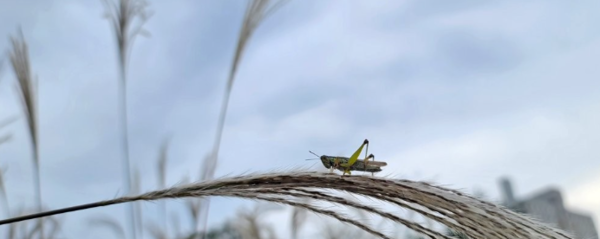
(313, 154)
(318, 156)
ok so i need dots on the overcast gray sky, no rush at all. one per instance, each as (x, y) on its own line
(456, 92)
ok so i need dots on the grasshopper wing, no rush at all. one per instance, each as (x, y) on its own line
(377, 163)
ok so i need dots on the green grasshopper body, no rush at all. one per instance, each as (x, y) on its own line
(359, 165)
(352, 163)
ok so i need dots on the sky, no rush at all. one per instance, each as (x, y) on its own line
(458, 93)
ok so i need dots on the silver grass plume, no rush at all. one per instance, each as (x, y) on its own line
(249, 225)
(461, 213)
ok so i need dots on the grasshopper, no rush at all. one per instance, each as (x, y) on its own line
(346, 165)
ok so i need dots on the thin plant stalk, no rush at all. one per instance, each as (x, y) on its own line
(27, 88)
(256, 11)
(162, 181)
(122, 16)
(136, 189)
(125, 147)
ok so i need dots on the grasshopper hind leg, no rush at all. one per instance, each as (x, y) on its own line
(371, 156)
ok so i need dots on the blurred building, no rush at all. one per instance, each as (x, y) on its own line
(547, 206)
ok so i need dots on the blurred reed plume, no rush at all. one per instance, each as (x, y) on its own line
(249, 223)
(298, 218)
(256, 12)
(26, 229)
(109, 223)
(459, 212)
(27, 89)
(156, 232)
(122, 16)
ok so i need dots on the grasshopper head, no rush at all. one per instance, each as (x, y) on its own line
(326, 162)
